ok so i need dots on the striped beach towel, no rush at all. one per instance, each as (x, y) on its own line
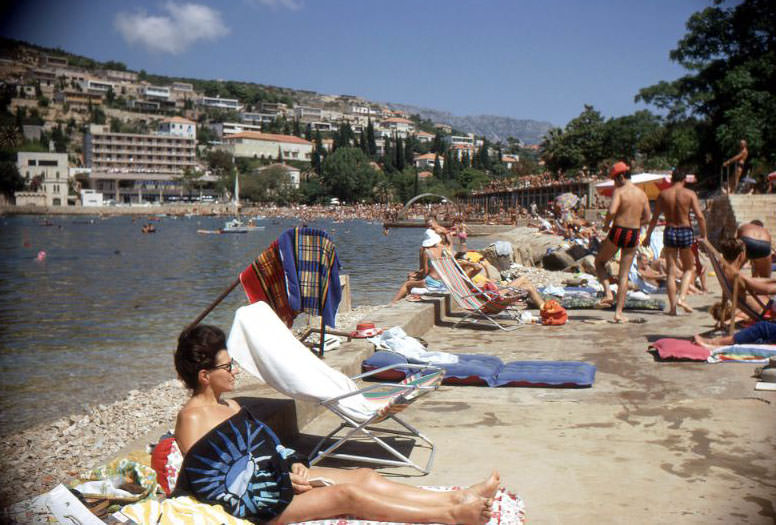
(312, 272)
(265, 280)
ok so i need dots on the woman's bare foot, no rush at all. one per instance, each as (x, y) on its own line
(619, 318)
(702, 341)
(475, 512)
(487, 488)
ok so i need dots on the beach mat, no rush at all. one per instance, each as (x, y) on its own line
(486, 370)
(586, 302)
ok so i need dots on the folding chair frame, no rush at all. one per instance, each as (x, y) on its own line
(404, 394)
(471, 309)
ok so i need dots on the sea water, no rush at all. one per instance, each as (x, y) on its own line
(99, 314)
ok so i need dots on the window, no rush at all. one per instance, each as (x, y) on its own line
(57, 175)
(31, 162)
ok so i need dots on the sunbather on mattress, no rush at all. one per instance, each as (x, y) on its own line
(233, 459)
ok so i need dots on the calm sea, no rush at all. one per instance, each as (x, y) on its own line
(100, 315)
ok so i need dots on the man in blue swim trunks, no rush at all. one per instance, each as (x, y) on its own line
(676, 203)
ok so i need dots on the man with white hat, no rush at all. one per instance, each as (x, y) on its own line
(426, 277)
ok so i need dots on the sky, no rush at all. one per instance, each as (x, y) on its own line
(526, 59)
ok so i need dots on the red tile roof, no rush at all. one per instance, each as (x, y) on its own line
(179, 120)
(398, 120)
(425, 174)
(268, 137)
(426, 156)
(424, 133)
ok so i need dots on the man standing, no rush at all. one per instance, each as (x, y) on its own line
(740, 162)
(677, 202)
(628, 211)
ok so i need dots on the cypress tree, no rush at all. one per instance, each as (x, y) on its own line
(399, 154)
(437, 167)
(370, 137)
(363, 142)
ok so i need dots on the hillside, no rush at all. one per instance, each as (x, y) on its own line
(494, 127)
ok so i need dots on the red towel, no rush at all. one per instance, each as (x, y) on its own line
(680, 349)
(265, 280)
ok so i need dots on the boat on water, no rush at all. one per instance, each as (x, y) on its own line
(235, 225)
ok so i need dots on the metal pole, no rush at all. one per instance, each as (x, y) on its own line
(214, 304)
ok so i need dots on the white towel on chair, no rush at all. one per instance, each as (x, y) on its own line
(265, 348)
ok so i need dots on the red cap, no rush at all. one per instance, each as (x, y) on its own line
(617, 168)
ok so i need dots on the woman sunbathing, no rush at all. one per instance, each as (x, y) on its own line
(233, 459)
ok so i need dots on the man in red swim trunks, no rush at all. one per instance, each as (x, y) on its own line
(677, 202)
(628, 211)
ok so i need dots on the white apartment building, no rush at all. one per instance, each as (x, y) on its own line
(101, 87)
(130, 168)
(268, 146)
(308, 114)
(257, 118)
(220, 103)
(400, 127)
(276, 108)
(51, 168)
(178, 127)
(157, 92)
(183, 87)
(426, 161)
(453, 140)
(224, 129)
(424, 137)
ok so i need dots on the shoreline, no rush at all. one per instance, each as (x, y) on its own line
(35, 459)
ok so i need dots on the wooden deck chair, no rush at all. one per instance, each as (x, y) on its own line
(478, 303)
(264, 347)
(734, 292)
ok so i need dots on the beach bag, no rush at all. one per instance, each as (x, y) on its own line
(166, 460)
(553, 314)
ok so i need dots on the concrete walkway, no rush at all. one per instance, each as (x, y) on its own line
(650, 442)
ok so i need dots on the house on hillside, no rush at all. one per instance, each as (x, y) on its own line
(294, 174)
(267, 145)
(426, 161)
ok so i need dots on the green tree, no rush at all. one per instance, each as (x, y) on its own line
(437, 167)
(10, 179)
(348, 175)
(729, 53)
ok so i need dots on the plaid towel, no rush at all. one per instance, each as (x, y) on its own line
(264, 280)
(312, 272)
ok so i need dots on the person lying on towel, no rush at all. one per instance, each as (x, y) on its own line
(234, 460)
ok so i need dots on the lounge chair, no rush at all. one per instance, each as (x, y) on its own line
(477, 303)
(734, 292)
(265, 348)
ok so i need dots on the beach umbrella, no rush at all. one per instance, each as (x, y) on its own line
(651, 183)
(772, 175)
(566, 201)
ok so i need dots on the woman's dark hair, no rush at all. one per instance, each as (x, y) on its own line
(197, 349)
(730, 249)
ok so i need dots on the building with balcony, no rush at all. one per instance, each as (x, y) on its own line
(267, 146)
(224, 129)
(48, 171)
(178, 127)
(424, 137)
(220, 103)
(100, 87)
(400, 127)
(308, 114)
(426, 161)
(183, 87)
(130, 168)
(257, 119)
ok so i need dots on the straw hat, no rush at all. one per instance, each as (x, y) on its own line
(366, 329)
(431, 238)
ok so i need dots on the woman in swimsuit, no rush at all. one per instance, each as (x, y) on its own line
(233, 459)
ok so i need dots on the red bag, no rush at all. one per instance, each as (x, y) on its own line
(553, 314)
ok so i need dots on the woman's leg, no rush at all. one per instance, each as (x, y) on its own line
(377, 484)
(405, 289)
(353, 500)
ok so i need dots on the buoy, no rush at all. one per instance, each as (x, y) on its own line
(41, 256)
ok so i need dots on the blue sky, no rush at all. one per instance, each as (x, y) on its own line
(530, 59)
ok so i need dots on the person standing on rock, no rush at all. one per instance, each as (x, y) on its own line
(628, 211)
(677, 202)
(740, 162)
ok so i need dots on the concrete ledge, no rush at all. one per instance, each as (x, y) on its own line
(287, 416)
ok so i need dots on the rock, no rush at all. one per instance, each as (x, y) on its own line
(557, 260)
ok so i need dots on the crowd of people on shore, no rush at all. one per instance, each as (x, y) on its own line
(542, 180)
